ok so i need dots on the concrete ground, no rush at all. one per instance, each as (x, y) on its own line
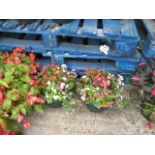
(82, 121)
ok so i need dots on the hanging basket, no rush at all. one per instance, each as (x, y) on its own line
(56, 104)
(93, 108)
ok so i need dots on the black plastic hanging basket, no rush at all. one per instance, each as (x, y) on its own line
(93, 108)
(56, 104)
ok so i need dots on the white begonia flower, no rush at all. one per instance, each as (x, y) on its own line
(66, 86)
(97, 88)
(120, 77)
(110, 76)
(46, 95)
(82, 90)
(64, 78)
(84, 76)
(87, 89)
(64, 67)
(73, 73)
(108, 82)
(48, 82)
(83, 97)
(56, 97)
(63, 93)
(62, 85)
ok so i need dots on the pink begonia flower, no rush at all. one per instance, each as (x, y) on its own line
(20, 118)
(83, 97)
(141, 64)
(61, 86)
(44, 68)
(153, 92)
(153, 73)
(136, 78)
(26, 125)
(149, 124)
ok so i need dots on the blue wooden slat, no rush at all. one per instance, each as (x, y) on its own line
(46, 25)
(18, 43)
(111, 27)
(71, 27)
(150, 26)
(134, 30)
(10, 24)
(89, 27)
(148, 47)
(94, 49)
(126, 28)
(2, 22)
(34, 26)
(113, 64)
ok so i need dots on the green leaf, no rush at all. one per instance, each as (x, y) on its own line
(39, 108)
(14, 114)
(71, 86)
(147, 88)
(22, 109)
(153, 79)
(2, 121)
(11, 95)
(25, 68)
(28, 109)
(48, 89)
(7, 104)
(147, 97)
(25, 79)
(13, 126)
(34, 91)
(3, 83)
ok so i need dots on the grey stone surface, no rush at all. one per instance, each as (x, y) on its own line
(82, 121)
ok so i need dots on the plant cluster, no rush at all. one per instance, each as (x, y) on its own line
(144, 82)
(101, 88)
(19, 92)
(58, 84)
(24, 88)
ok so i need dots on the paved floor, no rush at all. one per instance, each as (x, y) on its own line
(82, 121)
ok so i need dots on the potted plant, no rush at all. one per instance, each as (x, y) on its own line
(98, 89)
(144, 83)
(19, 91)
(58, 84)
